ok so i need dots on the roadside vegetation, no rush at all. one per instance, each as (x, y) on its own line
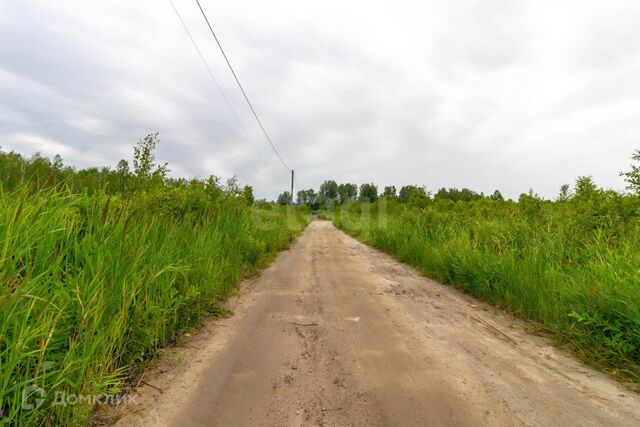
(99, 268)
(572, 265)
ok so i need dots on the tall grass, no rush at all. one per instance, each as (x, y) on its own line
(571, 266)
(91, 286)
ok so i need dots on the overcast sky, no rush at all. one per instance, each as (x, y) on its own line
(506, 95)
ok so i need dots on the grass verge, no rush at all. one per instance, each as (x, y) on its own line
(573, 267)
(92, 286)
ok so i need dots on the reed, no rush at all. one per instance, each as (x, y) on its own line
(92, 285)
(572, 266)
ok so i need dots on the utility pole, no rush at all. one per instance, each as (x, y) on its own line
(291, 200)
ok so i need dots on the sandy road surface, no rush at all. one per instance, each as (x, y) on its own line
(337, 333)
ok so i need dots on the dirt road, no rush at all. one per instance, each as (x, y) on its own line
(337, 333)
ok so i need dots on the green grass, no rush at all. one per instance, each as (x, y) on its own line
(573, 267)
(92, 286)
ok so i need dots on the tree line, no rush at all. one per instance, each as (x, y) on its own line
(331, 193)
(144, 175)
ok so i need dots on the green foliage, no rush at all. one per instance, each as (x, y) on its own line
(92, 283)
(368, 193)
(147, 173)
(571, 265)
(328, 192)
(247, 194)
(407, 190)
(496, 196)
(632, 177)
(309, 198)
(564, 194)
(453, 194)
(347, 192)
(419, 198)
(284, 198)
(389, 192)
(40, 172)
(123, 176)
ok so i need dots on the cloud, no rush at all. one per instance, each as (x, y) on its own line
(501, 94)
(29, 143)
(91, 125)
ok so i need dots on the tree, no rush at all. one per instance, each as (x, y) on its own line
(39, 169)
(389, 192)
(632, 177)
(463, 195)
(564, 194)
(328, 191)
(531, 204)
(496, 196)
(309, 198)
(407, 190)
(301, 197)
(419, 197)
(347, 192)
(146, 171)
(284, 198)
(232, 186)
(123, 175)
(213, 188)
(585, 188)
(247, 194)
(368, 192)
(57, 164)
(12, 167)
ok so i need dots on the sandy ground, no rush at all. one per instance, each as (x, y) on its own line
(337, 333)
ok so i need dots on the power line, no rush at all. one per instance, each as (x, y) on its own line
(241, 88)
(226, 100)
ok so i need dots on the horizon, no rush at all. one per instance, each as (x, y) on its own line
(430, 192)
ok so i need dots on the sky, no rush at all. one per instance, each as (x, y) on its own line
(502, 94)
